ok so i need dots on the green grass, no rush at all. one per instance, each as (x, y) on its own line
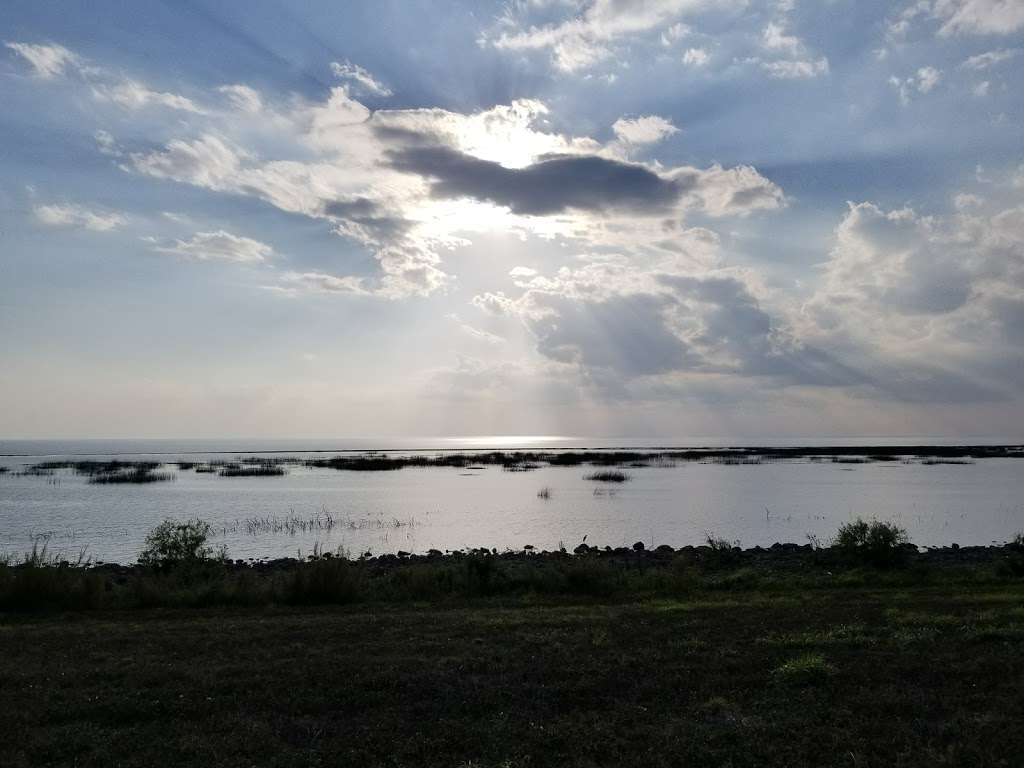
(527, 681)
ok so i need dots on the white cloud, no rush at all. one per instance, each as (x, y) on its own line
(926, 289)
(378, 179)
(979, 17)
(648, 129)
(775, 38)
(928, 78)
(582, 41)
(298, 283)
(923, 81)
(695, 57)
(990, 59)
(132, 94)
(107, 144)
(348, 71)
(243, 98)
(965, 201)
(675, 33)
(219, 246)
(77, 216)
(47, 61)
(786, 69)
(981, 89)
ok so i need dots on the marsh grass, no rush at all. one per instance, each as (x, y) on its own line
(607, 476)
(135, 476)
(805, 669)
(253, 470)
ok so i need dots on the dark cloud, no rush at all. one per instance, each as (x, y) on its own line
(367, 221)
(553, 184)
(626, 334)
(735, 327)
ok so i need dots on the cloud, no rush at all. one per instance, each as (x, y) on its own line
(990, 59)
(297, 283)
(476, 333)
(47, 61)
(243, 98)
(924, 288)
(785, 69)
(208, 161)
(586, 39)
(552, 185)
(496, 303)
(979, 17)
(51, 61)
(696, 57)
(649, 129)
(923, 81)
(410, 184)
(77, 216)
(624, 334)
(362, 78)
(219, 246)
(132, 94)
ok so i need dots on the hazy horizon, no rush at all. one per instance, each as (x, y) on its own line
(760, 219)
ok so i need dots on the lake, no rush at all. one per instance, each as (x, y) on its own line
(420, 508)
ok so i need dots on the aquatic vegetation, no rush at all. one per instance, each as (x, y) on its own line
(607, 476)
(544, 493)
(259, 470)
(137, 475)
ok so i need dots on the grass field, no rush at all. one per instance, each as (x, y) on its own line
(859, 676)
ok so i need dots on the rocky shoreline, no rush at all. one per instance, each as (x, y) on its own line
(778, 556)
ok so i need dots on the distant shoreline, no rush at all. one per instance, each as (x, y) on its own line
(975, 450)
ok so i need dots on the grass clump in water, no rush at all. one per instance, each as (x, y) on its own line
(607, 476)
(253, 470)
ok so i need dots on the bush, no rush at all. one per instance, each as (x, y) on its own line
(872, 542)
(328, 580)
(47, 582)
(174, 544)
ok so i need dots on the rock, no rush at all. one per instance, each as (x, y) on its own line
(639, 547)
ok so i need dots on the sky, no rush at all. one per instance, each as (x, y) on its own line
(749, 218)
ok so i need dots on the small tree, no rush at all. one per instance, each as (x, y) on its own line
(875, 542)
(174, 543)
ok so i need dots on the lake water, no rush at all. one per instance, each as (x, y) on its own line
(416, 509)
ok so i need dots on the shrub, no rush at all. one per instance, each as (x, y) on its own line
(324, 580)
(172, 544)
(46, 582)
(608, 476)
(872, 542)
(723, 551)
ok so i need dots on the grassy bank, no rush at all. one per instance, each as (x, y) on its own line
(858, 676)
(42, 583)
(864, 653)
